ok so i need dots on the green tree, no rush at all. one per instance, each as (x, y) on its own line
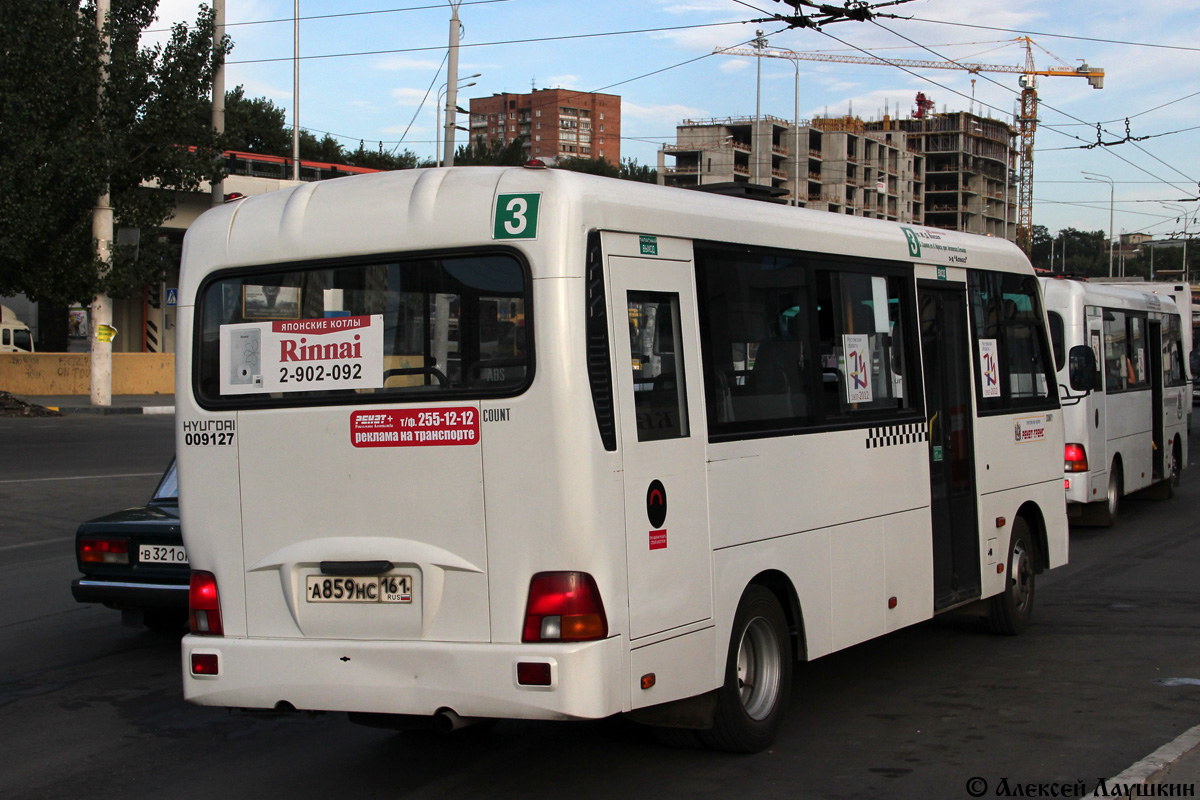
(479, 153)
(631, 170)
(62, 141)
(591, 166)
(255, 125)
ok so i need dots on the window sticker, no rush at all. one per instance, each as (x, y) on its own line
(302, 355)
(857, 349)
(989, 367)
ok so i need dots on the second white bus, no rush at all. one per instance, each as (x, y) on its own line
(1121, 358)
(476, 443)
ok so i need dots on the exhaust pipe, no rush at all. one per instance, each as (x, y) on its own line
(447, 720)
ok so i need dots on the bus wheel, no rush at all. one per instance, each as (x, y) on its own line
(1177, 465)
(1113, 500)
(1012, 609)
(758, 677)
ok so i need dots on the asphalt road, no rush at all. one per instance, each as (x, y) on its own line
(91, 708)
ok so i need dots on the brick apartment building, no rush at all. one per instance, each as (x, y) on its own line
(556, 123)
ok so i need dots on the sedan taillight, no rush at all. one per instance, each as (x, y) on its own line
(103, 551)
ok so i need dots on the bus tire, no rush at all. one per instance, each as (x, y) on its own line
(1112, 502)
(1177, 463)
(1012, 609)
(758, 676)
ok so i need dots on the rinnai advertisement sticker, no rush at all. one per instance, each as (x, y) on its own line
(858, 367)
(989, 367)
(300, 355)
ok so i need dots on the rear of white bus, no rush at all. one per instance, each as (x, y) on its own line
(380, 513)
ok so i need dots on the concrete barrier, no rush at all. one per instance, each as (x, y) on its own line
(71, 373)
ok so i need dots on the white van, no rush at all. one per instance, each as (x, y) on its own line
(15, 336)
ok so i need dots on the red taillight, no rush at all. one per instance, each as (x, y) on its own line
(564, 607)
(1075, 459)
(205, 664)
(104, 551)
(204, 605)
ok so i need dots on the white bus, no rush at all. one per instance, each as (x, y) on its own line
(1121, 359)
(523, 443)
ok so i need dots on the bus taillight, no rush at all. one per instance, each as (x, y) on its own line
(1075, 459)
(204, 605)
(564, 607)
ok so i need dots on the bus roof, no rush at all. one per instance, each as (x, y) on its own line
(435, 209)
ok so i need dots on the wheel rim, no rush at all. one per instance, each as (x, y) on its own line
(1022, 577)
(759, 665)
(1114, 496)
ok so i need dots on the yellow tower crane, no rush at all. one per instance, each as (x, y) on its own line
(1026, 122)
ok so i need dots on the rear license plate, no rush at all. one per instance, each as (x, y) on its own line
(385, 589)
(161, 554)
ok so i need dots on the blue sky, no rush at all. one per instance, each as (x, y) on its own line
(378, 97)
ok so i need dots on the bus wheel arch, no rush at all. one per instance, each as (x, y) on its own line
(753, 697)
(1035, 521)
(789, 601)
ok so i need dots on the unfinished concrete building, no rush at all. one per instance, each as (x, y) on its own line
(834, 165)
(970, 171)
(954, 171)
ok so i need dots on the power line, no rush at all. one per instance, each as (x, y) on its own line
(1052, 108)
(1148, 136)
(1057, 35)
(334, 16)
(492, 44)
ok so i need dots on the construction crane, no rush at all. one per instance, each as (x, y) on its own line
(1026, 122)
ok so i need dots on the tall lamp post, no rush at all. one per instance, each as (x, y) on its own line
(440, 157)
(795, 127)
(759, 44)
(1111, 192)
(452, 82)
(1184, 212)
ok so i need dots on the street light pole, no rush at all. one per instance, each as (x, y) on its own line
(1184, 212)
(1111, 192)
(437, 149)
(452, 82)
(759, 44)
(296, 91)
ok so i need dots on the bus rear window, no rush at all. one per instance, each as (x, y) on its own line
(397, 329)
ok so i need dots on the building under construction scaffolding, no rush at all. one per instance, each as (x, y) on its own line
(951, 170)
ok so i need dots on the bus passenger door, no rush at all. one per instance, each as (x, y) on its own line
(658, 389)
(1157, 399)
(945, 343)
(1097, 425)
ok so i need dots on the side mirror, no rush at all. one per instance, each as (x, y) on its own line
(1082, 370)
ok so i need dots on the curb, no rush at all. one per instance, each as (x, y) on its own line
(109, 410)
(1159, 762)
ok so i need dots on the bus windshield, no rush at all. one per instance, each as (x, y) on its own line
(452, 325)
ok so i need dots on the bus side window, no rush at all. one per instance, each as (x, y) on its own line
(659, 394)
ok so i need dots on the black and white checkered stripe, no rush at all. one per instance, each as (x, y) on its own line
(890, 435)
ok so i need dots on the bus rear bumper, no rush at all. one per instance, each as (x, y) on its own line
(587, 679)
